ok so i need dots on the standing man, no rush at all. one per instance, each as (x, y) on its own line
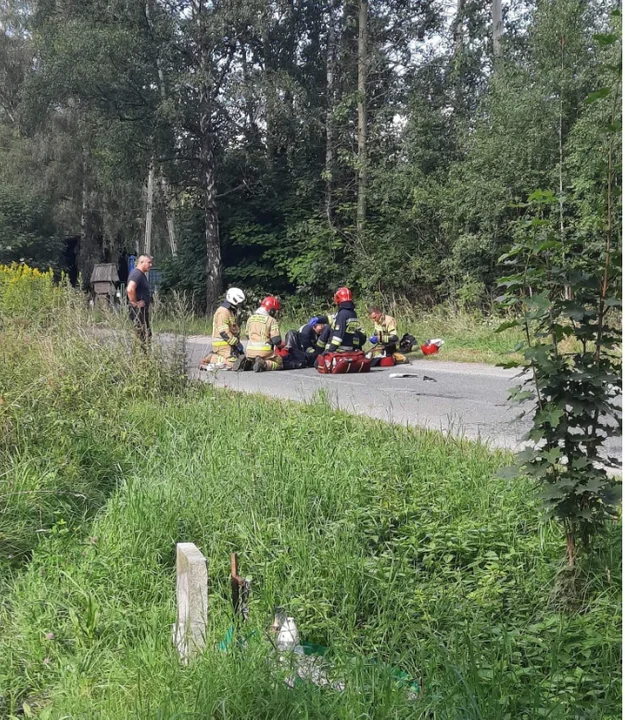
(139, 298)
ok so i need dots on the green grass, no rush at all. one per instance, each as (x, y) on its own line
(469, 337)
(383, 542)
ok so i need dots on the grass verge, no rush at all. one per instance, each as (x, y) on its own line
(383, 542)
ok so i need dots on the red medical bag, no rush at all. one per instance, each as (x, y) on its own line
(343, 362)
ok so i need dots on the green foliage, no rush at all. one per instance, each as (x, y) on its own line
(185, 273)
(573, 393)
(312, 260)
(29, 294)
(27, 232)
(567, 287)
(454, 140)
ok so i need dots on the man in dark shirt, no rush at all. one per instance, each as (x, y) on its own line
(310, 339)
(139, 297)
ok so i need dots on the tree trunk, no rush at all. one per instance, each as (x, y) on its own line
(206, 137)
(169, 215)
(270, 91)
(165, 189)
(458, 33)
(211, 221)
(147, 240)
(497, 28)
(568, 291)
(361, 210)
(84, 255)
(248, 96)
(330, 68)
(458, 51)
(570, 547)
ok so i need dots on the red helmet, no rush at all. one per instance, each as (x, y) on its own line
(343, 294)
(271, 303)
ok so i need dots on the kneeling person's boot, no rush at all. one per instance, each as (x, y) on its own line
(260, 365)
(241, 363)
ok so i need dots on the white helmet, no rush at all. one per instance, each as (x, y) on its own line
(235, 296)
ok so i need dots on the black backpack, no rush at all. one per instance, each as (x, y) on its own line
(407, 343)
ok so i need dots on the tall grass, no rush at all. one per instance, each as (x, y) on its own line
(385, 543)
(64, 391)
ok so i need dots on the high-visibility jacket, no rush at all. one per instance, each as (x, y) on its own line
(263, 333)
(225, 328)
(346, 334)
(386, 330)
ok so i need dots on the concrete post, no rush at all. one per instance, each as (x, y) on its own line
(189, 631)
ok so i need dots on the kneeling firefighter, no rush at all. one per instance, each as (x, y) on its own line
(263, 334)
(309, 341)
(226, 343)
(385, 337)
(347, 335)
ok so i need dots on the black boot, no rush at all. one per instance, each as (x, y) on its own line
(260, 365)
(241, 364)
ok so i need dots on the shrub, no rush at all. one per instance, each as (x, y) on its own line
(28, 293)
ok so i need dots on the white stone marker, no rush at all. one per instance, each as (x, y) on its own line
(189, 631)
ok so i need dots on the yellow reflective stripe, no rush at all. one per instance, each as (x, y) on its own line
(259, 346)
(384, 332)
(219, 343)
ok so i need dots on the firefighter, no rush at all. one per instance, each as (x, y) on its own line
(263, 333)
(311, 339)
(346, 335)
(385, 337)
(226, 340)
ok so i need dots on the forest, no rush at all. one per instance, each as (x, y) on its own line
(290, 146)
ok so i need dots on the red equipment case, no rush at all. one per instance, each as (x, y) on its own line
(344, 362)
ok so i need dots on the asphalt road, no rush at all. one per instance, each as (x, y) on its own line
(468, 400)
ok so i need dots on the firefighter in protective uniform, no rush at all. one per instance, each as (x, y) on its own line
(347, 335)
(263, 334)
(226, 342)
(385, 336)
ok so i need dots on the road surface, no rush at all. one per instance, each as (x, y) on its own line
(464, 399)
